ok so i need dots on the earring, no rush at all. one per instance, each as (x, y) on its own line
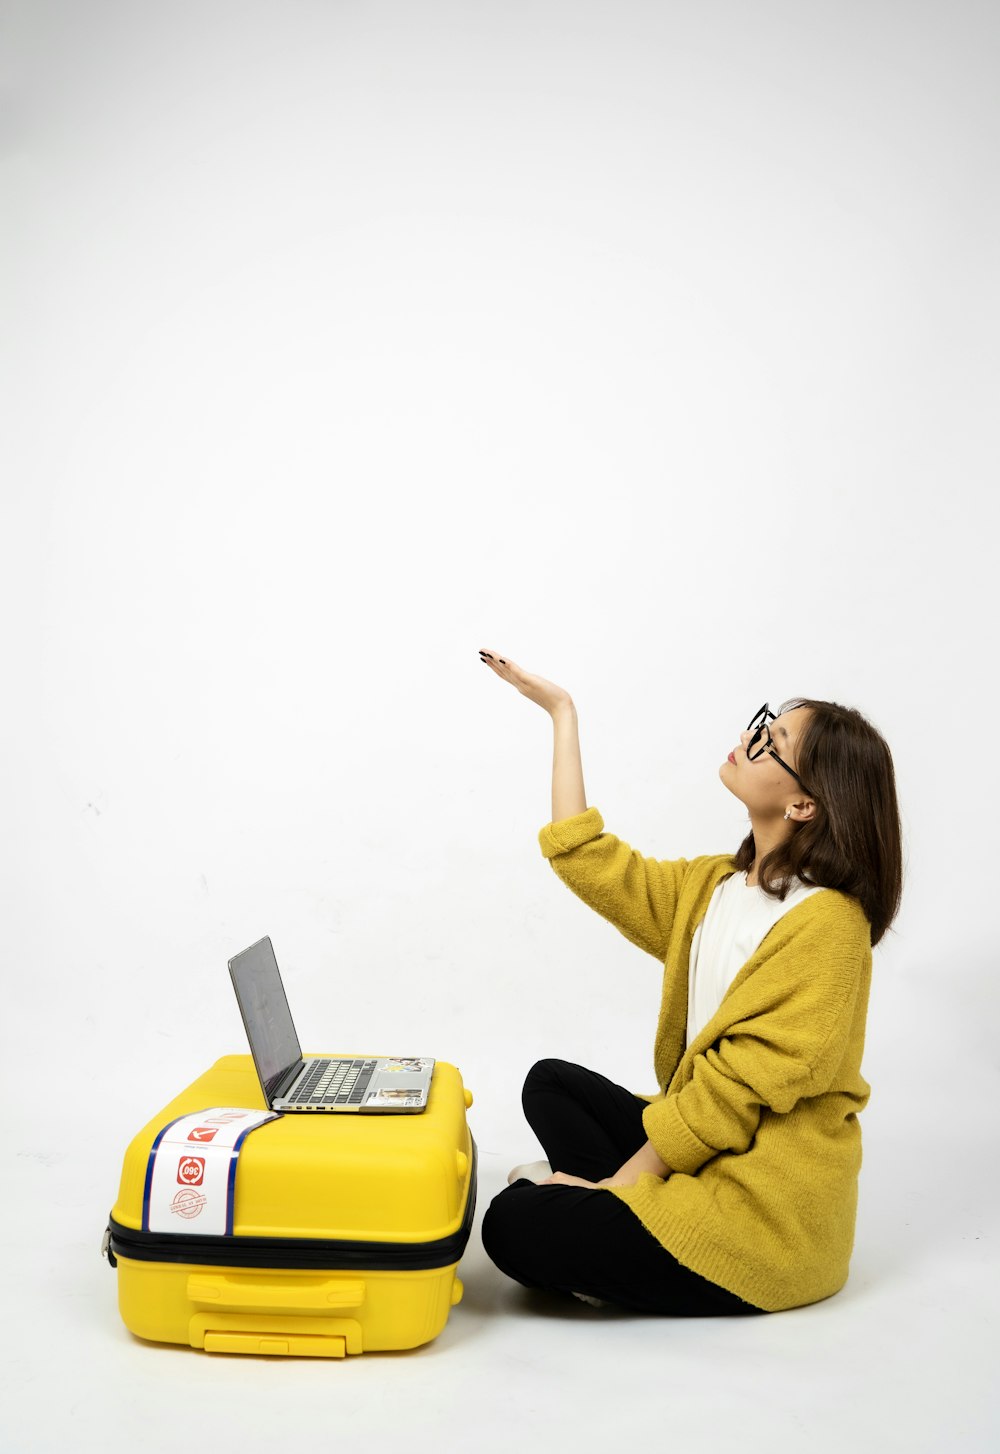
(786, 815)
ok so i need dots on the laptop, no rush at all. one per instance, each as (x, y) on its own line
(369, 1084)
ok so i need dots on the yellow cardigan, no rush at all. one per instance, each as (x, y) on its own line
(757, 1118)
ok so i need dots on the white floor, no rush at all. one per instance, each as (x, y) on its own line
(903, 1359)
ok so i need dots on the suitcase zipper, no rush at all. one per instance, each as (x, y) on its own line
(301, 1252)
(106, 1246)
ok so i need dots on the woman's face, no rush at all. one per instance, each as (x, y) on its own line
(764, 785)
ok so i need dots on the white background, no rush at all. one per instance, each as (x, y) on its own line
(653, 345)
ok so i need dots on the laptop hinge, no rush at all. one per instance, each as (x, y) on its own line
(285, 1082)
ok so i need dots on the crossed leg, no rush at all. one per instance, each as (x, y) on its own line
(575, 1239)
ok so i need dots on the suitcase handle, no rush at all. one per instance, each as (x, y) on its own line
(271, 1294)
(297, 1347)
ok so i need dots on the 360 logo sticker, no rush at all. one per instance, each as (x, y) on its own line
(191, 1170)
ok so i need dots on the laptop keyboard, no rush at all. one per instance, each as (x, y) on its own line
(334, 1083)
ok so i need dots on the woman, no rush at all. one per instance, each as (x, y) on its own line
(734, 1188)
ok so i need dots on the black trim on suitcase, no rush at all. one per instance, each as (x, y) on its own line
(302, 1252)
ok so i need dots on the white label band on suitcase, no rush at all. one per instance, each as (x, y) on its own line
(191, 1172)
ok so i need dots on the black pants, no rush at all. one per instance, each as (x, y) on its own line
(574, 1239)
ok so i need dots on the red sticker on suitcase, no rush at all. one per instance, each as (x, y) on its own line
(188, 1203)
(220, 1132)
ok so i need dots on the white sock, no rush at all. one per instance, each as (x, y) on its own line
(595, 1302)
(535, 1171)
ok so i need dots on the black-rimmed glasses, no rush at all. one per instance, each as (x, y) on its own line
(762, 742)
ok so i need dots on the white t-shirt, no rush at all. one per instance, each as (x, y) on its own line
(738, 917)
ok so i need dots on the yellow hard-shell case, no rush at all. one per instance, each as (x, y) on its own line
(347, 1229)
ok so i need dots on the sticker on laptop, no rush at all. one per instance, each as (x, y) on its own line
(397, 1097)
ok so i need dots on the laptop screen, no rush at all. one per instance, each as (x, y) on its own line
(265, 1012)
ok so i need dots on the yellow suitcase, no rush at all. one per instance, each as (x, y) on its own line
(346, 1230)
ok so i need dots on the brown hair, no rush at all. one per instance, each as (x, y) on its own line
(854, 840)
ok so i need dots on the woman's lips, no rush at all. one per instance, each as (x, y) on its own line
(732, 758)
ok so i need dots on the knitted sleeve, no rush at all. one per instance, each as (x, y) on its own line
(637, 895)
(789, 1039)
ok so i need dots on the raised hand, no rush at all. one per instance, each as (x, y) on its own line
(535, 688)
